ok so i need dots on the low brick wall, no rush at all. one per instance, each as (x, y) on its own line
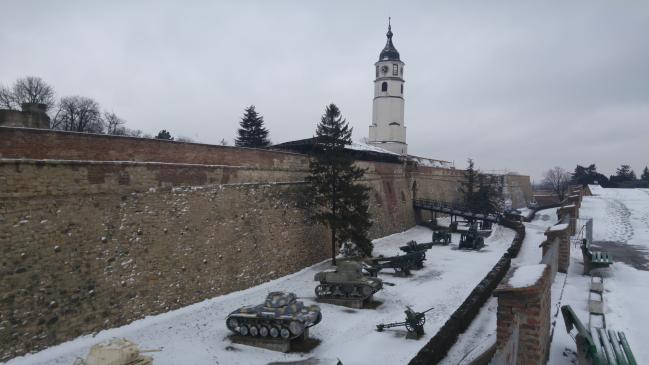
(526, 307)
(438, 346)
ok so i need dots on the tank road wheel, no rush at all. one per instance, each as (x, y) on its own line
(320, 291)
(285, 333)
(366, 291)
(243, 330)
(263, 331)
(232, 324)
(274, 332)
(254, 331)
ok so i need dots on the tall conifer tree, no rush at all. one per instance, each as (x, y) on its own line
(252, 132)
(342, 200)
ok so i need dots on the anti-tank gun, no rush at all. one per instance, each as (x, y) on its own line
(402, 264)
(414, 322)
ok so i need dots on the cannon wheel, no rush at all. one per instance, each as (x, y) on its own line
(412, 327)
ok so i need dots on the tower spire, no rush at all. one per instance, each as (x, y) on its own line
(389, 52)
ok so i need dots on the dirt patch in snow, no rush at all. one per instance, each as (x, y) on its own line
(635, 256)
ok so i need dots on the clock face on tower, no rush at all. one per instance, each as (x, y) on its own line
(384, 69)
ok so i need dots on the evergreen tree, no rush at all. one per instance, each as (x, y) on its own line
(625, 173)
(335, 190)
(468, 186)
(252, 132)
(487, 198)
(588, 175)
(645, 174)
(164, 134)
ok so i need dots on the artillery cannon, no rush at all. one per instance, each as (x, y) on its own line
(414, 323)
(471, 239)
(441, 237)
(402, 264)
(413, 246)
(346, 282)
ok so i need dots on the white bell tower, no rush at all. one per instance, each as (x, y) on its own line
(388, 130)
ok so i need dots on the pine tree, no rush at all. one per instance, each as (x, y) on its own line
(468, 186)
(163, 134)
(645, 174)
(252, 132)
(625, 173)
(342, 201)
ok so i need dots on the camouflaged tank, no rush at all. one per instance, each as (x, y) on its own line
(281, 316)
(118, 351)
(346, 282)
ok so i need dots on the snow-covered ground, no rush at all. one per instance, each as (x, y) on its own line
(621, 221)
(197, 334)
(481, 334)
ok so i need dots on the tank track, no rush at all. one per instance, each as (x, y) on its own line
(344, 291)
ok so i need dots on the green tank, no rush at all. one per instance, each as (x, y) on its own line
(280, 316)
(346, 282)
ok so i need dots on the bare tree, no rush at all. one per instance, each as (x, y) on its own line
(28, 89)
(114, 124)
(6, 98)
(78, 114)
(558, 180)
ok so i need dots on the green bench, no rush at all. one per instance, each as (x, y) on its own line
(594, 259)
(598, 346)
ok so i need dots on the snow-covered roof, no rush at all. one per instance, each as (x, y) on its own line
(429, 162)
(360, 146)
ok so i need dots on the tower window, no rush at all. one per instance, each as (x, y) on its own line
(401, 88)
(395, 70)
(384, 86)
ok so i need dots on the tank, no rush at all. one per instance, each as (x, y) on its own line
(280, 316)
(118, 351)
(346, 282)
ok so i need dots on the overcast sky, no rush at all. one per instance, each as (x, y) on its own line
(516, 85)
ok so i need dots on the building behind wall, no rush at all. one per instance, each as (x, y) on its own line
(32, 115)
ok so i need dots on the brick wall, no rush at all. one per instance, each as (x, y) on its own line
(528, 308)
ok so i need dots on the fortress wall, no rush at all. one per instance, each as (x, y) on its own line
(89, 245)
(57, 145)
(93, 244)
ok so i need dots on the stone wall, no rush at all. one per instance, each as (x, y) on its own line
(90, 245)
(97, 231)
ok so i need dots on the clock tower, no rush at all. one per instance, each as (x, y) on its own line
(388, 130)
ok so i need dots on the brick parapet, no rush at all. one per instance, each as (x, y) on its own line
(527, 308)
(562, 236)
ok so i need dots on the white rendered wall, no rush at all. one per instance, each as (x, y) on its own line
(388, 130)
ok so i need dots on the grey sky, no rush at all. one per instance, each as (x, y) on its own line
(516, 85)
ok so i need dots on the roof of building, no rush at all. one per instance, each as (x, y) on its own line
(389, 53)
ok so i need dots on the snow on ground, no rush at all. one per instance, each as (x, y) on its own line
(481, 334)
(620, 218)
(197, 334)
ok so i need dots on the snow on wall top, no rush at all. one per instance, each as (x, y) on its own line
(526, 276)
(595, 189)
(360, 146)
(429, 162)
(558, 227)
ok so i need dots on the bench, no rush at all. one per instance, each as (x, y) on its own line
(594, 259)
(598, 346)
